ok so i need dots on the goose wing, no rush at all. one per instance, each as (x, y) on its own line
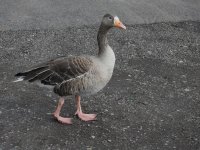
(58, 70)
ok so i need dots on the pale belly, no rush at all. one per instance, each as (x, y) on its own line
(95, 85)
(104, 67)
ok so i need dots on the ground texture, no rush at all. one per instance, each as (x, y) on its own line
(152, 101)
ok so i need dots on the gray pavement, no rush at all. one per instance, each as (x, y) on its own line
(42, 14)
(153, 99)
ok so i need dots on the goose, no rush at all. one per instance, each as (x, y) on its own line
(77, 75)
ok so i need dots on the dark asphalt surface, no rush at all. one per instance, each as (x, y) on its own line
(152, 101)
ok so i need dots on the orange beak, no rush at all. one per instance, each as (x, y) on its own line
(118, 23)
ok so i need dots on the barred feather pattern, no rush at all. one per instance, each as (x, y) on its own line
(86, 84)
(61, 70)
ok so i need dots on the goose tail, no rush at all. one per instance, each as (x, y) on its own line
(33, 75)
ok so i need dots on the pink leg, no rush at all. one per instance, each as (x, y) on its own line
(81, 115)
(56, 114)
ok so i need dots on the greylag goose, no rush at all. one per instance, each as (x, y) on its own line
(78, 75)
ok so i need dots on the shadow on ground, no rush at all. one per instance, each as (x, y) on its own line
(152, 101)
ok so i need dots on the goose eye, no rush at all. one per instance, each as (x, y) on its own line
(110, 18)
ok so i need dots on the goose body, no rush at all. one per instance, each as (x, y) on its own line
(78, 75)
(90, 82)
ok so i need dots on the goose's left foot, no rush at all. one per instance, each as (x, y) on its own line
(81, 115)
(86, 117)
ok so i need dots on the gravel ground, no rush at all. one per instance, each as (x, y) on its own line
(152, 101)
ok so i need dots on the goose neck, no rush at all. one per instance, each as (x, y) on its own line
(102, 39)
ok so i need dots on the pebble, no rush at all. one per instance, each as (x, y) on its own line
(181, 61)
(186, 89)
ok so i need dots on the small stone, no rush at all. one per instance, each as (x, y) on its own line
(184, 81)
(149, 52)
(89, 148)
(128, 79)
(166, 142)
(180, 61)
(186, 89)
(183, 76)
(109, 140)
(93, 136)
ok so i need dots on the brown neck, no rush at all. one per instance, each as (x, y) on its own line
(102, 38)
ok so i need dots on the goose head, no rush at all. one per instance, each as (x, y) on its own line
(112, 21)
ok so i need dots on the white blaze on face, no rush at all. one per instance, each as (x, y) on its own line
(116, 19)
